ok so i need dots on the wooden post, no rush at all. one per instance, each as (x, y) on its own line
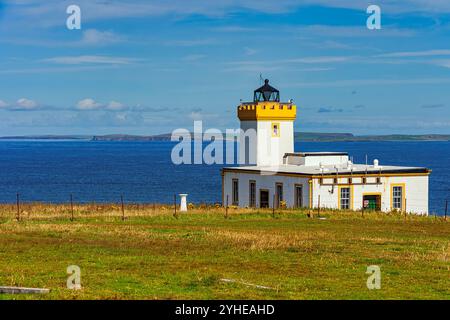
(273, 207)
(405, 209)
(446, 207)
(71, 207)
(123, 208)
(318, 208)
(18, 207)
(175, 205)
(226, 208)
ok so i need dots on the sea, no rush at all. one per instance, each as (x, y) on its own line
(142, 172)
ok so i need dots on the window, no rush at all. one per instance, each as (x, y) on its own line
(275, 129)
(279, 194)
(252, 194)
(298, 196)
(235, 192)
(345, 198)
(397, 197)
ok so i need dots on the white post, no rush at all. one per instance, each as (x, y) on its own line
(183, 205)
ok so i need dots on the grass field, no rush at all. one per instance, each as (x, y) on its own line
(152, 255)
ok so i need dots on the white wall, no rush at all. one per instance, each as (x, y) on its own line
(269, 150)
(416, 190)
(264, 182)
(416, 193)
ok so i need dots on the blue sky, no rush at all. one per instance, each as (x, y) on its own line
(148, 67)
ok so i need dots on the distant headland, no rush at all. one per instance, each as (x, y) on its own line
(299, 136)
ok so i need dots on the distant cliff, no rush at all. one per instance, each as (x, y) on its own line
(299, 136)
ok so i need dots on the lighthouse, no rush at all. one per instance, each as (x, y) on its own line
(270, 173)
(270, 124)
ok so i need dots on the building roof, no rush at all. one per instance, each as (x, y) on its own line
(315, 154)
(330, 170)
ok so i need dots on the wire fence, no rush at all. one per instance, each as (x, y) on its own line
(22, 210)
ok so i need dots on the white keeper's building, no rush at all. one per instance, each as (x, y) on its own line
(271, 173)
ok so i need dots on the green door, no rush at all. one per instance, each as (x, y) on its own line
(372, 202)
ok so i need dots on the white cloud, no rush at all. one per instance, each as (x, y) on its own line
(88, 104)
(96, 37)
(366, 82)
(48, 13)
(249, 51)
(316, 60)
(351, 31)
(267, 66)
(194, 57)
(115, 106)
(191, 42)
(25, 104)
(426, 53)
(442, 63)
(73, 60)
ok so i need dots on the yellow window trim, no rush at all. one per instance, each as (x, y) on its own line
(403, 185)
(372, 194)
(351, 196)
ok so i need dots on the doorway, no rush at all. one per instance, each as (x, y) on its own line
(372, 202)
(264, 198)
(298, 201)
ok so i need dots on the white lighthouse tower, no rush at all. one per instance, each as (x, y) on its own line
(267, 128)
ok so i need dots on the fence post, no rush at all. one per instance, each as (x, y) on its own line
(318, 208)
(226, 208)
(273, 206)
(175, 205)
(18, 207)
(123, 208)
(446, 207)
(405, 209)
(71, 207)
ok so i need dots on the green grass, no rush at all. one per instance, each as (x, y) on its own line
(152, 255)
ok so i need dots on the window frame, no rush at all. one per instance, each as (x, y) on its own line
(235, 192)
(350, 197)
(402, 197)
(275, 135)
(296, 197)
(252, 200)
(279, 198)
